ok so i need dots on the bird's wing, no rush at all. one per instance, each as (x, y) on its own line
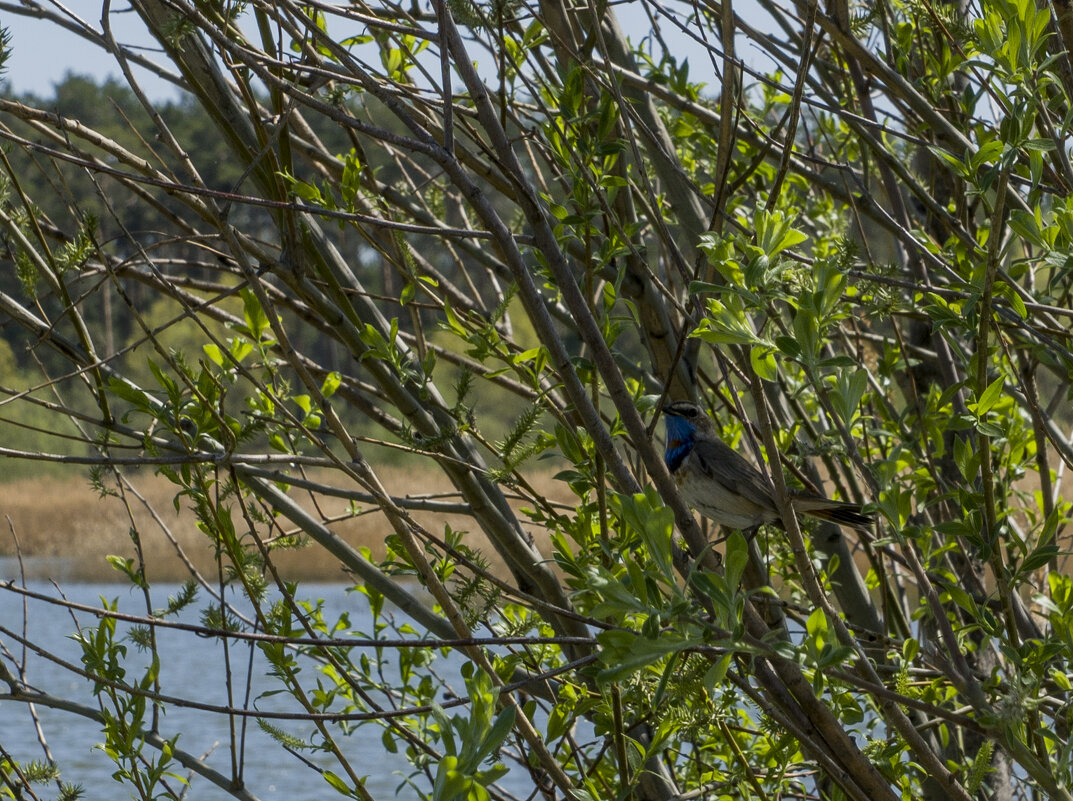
(726, 467)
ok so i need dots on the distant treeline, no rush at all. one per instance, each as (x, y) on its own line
(103, 241)
(72, 207)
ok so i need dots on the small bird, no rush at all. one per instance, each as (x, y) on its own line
(724, 487)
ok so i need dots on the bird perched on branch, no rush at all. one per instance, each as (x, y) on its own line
(724, 487)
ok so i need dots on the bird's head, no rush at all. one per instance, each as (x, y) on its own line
(684, 419)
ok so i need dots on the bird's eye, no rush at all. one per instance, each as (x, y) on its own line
(691, 412)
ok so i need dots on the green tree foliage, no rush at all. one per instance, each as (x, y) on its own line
(347, 237)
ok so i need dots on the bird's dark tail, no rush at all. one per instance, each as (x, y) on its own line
(844, 514)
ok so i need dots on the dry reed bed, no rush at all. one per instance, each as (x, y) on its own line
(64, 530)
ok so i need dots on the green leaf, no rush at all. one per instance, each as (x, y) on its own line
(1012, 297)
(645, 513)
(129, 567)
(717, 672)
(774, 232)
(337, 783)
(1038, 558)
(762, 358)
(910, 649)
(214, 353)
(496, 736)
(331, 383)
(1029, 226)
(737, 557)
(788, 345)
(962, 599)
(454, 323)
(807, 335)
(990, 396)
(254, 315)
(834, 656)
(726, 323)
(849, 388)
(132, 395)
(625, 653)
(816, 625)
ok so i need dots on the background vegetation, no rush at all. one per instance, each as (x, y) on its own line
(348, 249)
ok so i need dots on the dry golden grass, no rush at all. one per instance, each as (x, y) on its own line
(64, 530)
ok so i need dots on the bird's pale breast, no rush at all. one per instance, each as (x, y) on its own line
(715, 501)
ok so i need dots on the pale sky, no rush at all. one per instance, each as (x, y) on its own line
(44, 53)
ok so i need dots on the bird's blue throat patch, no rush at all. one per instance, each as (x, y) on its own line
(680, 439)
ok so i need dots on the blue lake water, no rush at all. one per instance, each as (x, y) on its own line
(192, 667)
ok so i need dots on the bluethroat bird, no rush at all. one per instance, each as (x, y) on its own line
(724, 487)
